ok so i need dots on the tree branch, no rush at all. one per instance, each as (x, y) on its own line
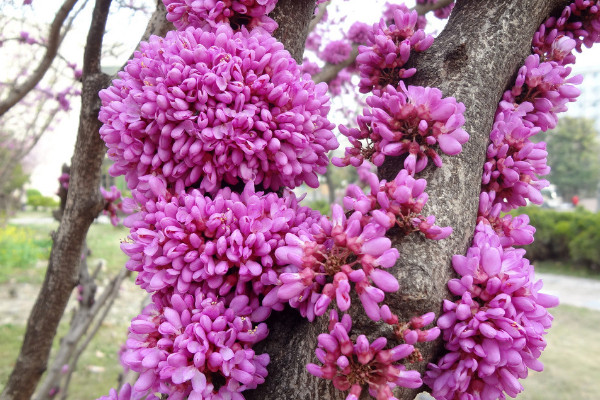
(293, 17)
(54, 39)
(322, 9)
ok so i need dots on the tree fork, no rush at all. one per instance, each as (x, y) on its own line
(474, 61)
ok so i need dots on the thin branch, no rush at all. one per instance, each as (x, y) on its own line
(111, 291)
(319, 16)
(54, 38)
(330, 71)
(423, 9)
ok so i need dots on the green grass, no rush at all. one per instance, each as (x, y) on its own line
(102, 239)
(571, 359)
(20, 249)
(563, 268)
(98, 368)
(571, 366)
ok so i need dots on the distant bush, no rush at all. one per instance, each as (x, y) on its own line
(35, 199)
(322, 206)
(19, 250)
(570, 236)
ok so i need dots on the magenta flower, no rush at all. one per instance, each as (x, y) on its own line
(512, 231)
(397, 203)
(414, 120)
(196, 346)
(336, 51)
(111, 207)
(494, 332)
(547, 87)
(388, 48)
(359, 33)
(208, 14)
(216, 107)
(344, 251)
(227, 242)
(357, 365)
(514, 162)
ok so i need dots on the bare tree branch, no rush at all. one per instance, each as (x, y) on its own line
(105, 303)
(322, 9)
(330, 71)
(54, 40)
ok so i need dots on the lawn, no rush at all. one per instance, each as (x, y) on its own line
(572, 369)
(571, 366)
(34, 242)
(571, 372)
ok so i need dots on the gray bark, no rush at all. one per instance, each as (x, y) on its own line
(474, 59)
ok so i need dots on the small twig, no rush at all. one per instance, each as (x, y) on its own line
(107, 299)
(54, 39)
(319, 16)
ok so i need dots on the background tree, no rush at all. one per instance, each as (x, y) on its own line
(574, 157)
(474, 60)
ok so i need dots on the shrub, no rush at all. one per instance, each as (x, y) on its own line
(570, 236)
(19, 250)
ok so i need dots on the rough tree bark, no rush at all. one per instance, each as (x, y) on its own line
(474, 59)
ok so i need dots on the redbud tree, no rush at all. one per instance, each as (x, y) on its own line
(412, 283)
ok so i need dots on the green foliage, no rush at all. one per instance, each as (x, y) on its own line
(570, 236)
(19, 250)
(35, 199)
(573, 156)
(322, 206)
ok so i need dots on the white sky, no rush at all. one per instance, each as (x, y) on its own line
(56, 147)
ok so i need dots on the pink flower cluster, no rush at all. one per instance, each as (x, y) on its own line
(514, 162)
(196, 120)
(352, 365)
(336, 51)
(413, 121)
(207, 14)
(396, 203)
(494, 332)
(214, 108)
(196, 346)
(579, 21)
(544, 85)
(388, 48)
(227, 242)
(322, 263)
(113, 203)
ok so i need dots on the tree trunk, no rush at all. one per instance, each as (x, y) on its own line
(474, 59)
